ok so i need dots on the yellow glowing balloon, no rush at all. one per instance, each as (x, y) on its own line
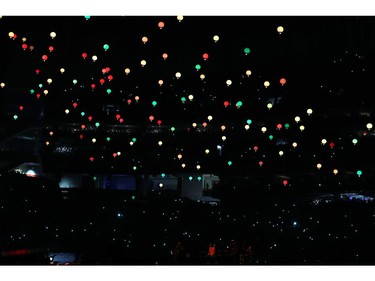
(202, 76)
(280, 29)
(294, 144)
(248, 73)
(267, 84)
(24, 39)
(179, 156)
(302, 128)
(62, 70)
(269, 105)
(319, 166)
(127, 71)
(143, 63)
(194, 124)
(335, 171)
(216, 38)
(49, 80)
(207, 151)
(180, 18)
(160, 82)
(297, 119)
(11, 34)
(2, 85)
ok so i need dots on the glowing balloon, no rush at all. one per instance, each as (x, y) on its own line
(194, 125)
(209, 118)
(44, 57)
(263, 129)
(75, 104)
(180, 18)
(165, 56)
(190, 97)
(297, 119)
(161, 25)
(21, 107)
(154, 103)
(222, 127)
(179, 156)
(94, 58)
(302, 128)
(24, 46)
(248, 121)
(11, 34)
(207, 151)
(285, 182)
(294, 144)
(247, 127)
(136, 98)
(49, 80)
(101, 81)
(282, 81)
(62, 70)
(110, 77)
(87, 17)
(31, 47)
(216, 38)
(198, 67)
(223, 138)
(50, 48)
(15, 117)
(53, 34)
(159, 122)
(324, 141)
(280, 29)
(247, 51)
(198, 167)
(354, 141)
(279, 126)
(269, 105)
(2, 85)
(178, 75)
(127, 71)
(105, 47)
(359, 173)
(281, 153)
(309, 111)
(144, 39)
(230, 163)
(248, 73)
(260, 163)
(202, 76)
(109, 91)
(204, 124)
(319, 166)
(75, 81)
(160, 143)
(266, 84)
(205, 56)
(369, 126)
(229, 82)
(143, 63)
(335, 171)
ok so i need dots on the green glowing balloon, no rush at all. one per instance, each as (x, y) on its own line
(247, 51)
(105, 47)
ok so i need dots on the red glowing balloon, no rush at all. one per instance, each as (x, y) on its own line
(256, 148)
(121, 120)
(50, 48)
(83, 126)
(107, 69)
(81, 136)
(161, 24)
(118, 116)
(282, 81)
(75, 104)
(159, 122)
(129, 101)
(226, 103)
(84, 55)
(93, 86)
(37, 96)
(332, 144)
(260, 163)
(89, 118)
(151, 118)
(285, 182)
(103, 70)
(102, 81)
(110, 77)
(279, 126)
(92, 158)
(114, 155)
(205, 56)
(44, 57)
(24, 46)
(37, 71)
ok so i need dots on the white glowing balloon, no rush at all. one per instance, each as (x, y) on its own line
(198, 167)
(297, 119)
(190, 97)
(302, 128)
(160, 143)
(49, 80)
(247, 127)
(207, 151)
(294, 144)
(263, 129)
(66, 111)
(309, 111)
(209, 118)
(178, 75)
(143, 63)
(53, 34)
(281, 153)
(280, 29)
(62, 70)
(229, 82)
(94, 140)
(223, 138)
(269, 105)
(94, 58)
(2, 85)
(216, 38)
(335, 171)
(202, 76)
(248, 73)
(194, 124)
(319, 166)
(267, 84)
(180, 18)
(369, 126)
(324, 141)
